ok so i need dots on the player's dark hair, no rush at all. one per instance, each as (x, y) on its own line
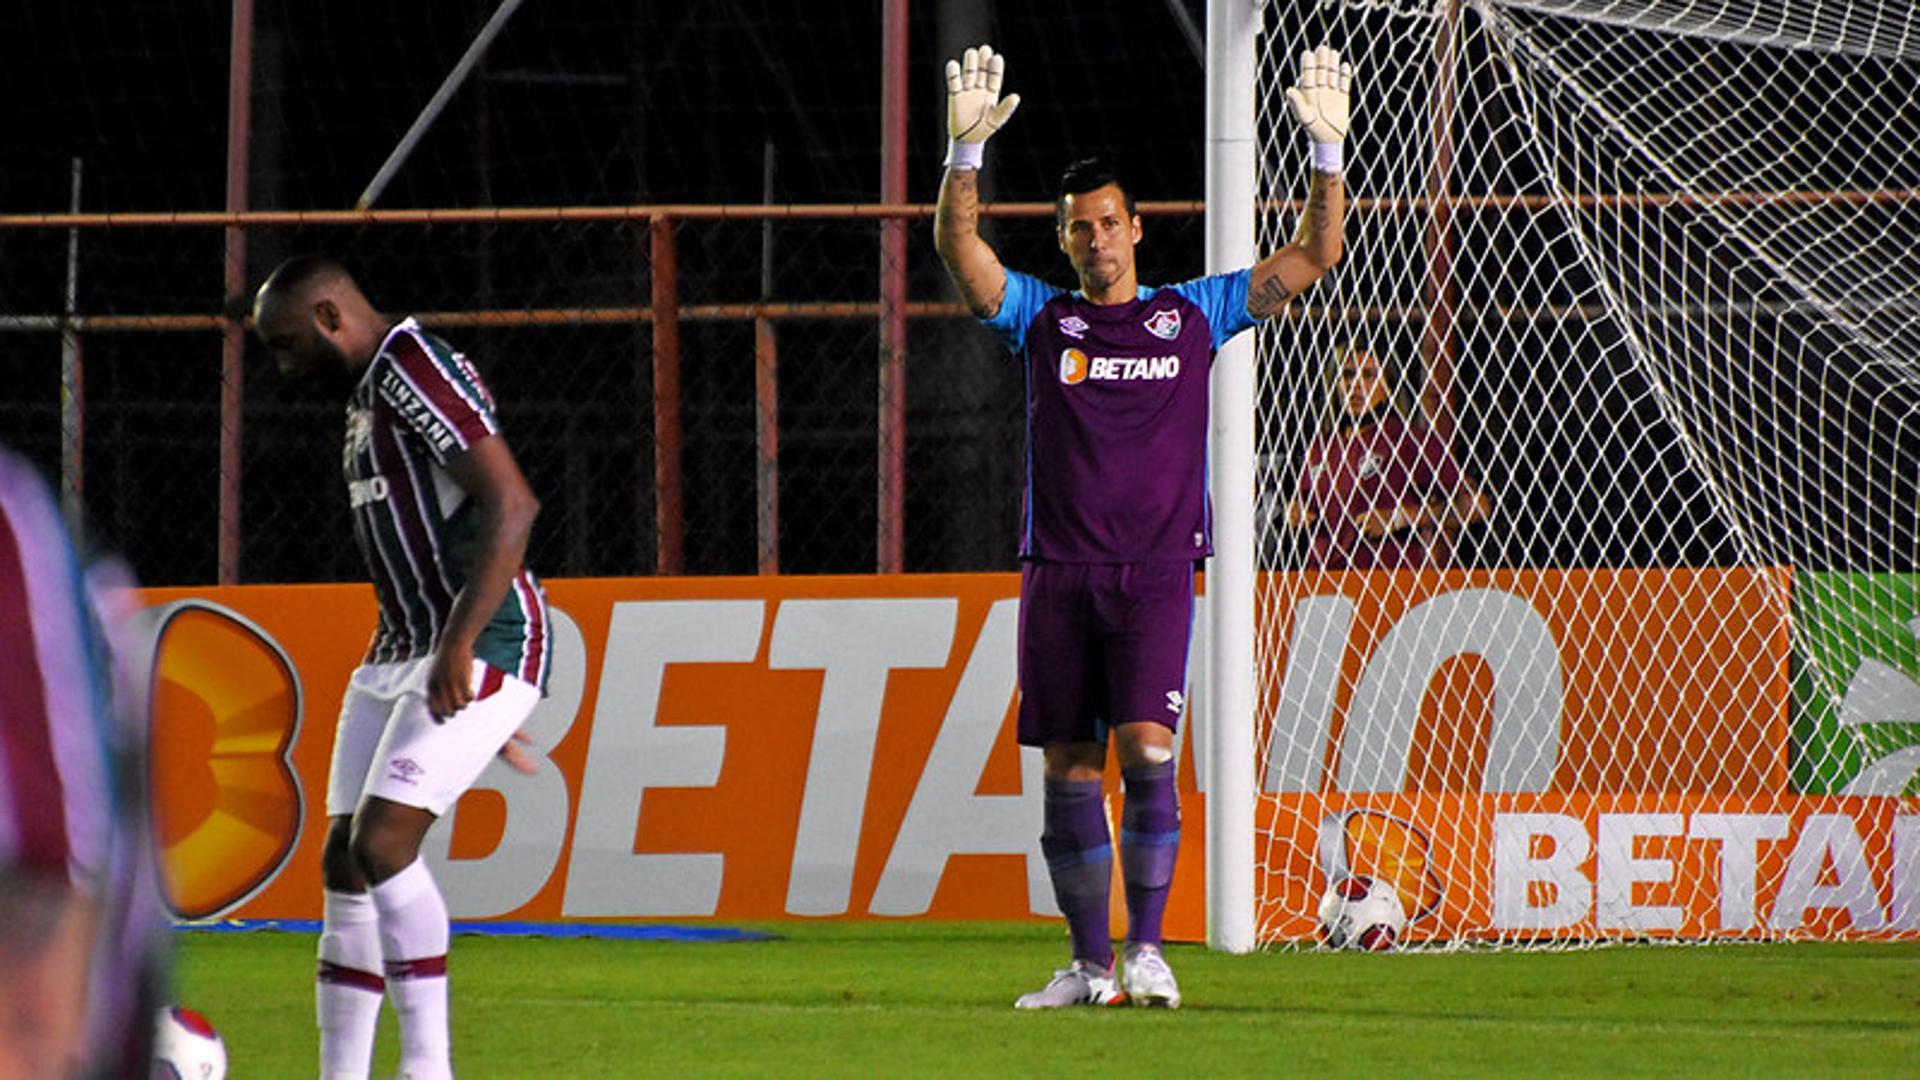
(300, 271)
(1084, 175)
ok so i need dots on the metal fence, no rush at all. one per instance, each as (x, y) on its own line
(690, 389)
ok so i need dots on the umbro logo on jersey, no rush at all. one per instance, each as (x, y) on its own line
(1164, 325)
(1176, 701)
(1074, 327)
(404, 770)
(1369, 466)
(1077, 367)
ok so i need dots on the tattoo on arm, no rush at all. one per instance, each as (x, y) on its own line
(1316, 246)
(1316, 221)
(1267, 296)
(1323, 222)
(970, 261)
(959, 209)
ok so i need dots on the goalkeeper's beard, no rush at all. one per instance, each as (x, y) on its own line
(1101, 272)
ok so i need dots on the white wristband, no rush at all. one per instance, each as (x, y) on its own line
(1329, 157)
(964, 155)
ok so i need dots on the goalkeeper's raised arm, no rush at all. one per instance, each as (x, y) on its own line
(1319, 103)
(975, 111)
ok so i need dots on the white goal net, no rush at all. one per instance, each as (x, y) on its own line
(1638, 652)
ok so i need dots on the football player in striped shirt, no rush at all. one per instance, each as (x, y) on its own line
(1116, 513)
(82, 956)
(458, 660)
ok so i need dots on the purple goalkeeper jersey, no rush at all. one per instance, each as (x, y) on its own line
(1117, 416)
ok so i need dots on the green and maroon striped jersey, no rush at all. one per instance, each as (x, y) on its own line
(418, 405)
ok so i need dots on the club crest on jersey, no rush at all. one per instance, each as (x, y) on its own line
(1073, 367)
(359, 433)
(1074, 327)
(1164, 325)
(1369, 466)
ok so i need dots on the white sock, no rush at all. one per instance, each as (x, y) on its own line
(413, 936)
(347, 988)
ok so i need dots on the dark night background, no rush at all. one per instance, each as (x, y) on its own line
(577, 103)
(589, 103)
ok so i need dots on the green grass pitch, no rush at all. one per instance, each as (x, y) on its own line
(934, 999)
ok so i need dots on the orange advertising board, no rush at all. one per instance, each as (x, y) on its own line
(731, 748)
(842, 747)
(1563, 680)
(1587, 867)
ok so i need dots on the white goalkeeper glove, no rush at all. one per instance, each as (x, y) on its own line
(975, 109)
(1320, 104)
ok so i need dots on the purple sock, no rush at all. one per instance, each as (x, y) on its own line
(1080, 860)
(1149, 844)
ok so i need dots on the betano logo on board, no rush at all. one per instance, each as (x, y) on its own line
(758, 748)
(226, 707)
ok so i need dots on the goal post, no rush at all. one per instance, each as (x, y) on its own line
(1641, 656)
(1232, 29)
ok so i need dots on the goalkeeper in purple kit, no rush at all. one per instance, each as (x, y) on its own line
(1116, 515)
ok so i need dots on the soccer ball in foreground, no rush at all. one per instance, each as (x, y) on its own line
(186, 1047)
(1361, 912)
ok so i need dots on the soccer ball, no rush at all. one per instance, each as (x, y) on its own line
(186, 1047)
(1363, 913)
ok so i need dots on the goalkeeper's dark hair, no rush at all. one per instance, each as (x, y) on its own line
(1089, 174)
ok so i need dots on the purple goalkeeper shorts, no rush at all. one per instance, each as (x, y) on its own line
(1102, 644)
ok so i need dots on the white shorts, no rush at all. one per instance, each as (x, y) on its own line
(389, 744)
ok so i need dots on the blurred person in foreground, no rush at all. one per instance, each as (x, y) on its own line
(1378, 489)
(458, 660)
(82, 944)
(1116, 511)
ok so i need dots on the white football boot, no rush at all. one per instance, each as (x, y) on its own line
(1081, 983)
(1147, 979)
